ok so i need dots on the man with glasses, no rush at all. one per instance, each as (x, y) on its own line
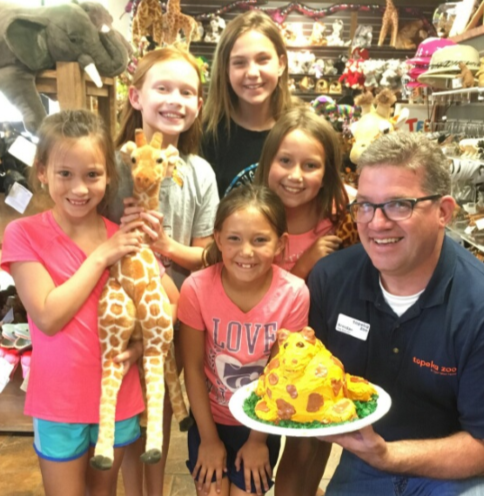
(405, 310)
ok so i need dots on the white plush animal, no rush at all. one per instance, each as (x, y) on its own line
(217, 25)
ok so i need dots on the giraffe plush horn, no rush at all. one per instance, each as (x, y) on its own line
(139, 138)
(156, 141)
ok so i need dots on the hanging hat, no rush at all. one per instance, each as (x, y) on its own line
(427, 48)
(446, 61)
(415, 72)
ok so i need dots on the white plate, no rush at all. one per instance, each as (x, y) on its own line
(236, 405)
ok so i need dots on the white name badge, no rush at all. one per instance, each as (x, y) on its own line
(352, 327)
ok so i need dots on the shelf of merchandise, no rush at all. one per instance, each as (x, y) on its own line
(467, 35)
(465, 237)
(459, 91)
(475, 94)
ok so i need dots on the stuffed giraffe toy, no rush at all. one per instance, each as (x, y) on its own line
(174, 21)
(348, 232)
(148, 21)
(134, 305)
(390, 20)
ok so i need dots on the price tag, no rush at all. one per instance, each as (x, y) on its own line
(470, 208)
(456, 83)
(24, 150)
(8, 317)
(25, 383)
(18, 197)
(5, 371)
(480, 223)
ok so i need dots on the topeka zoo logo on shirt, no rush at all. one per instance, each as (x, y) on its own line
(433, 367)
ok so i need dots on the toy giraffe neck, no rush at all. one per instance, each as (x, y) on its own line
(149, 200)
(173, 6)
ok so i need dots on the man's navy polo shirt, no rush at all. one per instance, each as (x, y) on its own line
(430, 360)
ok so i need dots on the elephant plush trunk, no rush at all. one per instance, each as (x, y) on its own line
(117, 54)
(87, 63)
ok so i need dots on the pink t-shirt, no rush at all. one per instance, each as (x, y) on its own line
(65, 372)
(238, 344)
(298, 243)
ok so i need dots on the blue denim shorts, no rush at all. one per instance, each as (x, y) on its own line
(233, 437)
(63, 442)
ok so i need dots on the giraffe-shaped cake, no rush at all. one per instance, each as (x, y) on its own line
(390, 19)
(174, 21)
(134, 305)
(148, 21)
(304, 382)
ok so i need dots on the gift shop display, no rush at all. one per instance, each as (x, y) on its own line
(352, 63)
(448, 63)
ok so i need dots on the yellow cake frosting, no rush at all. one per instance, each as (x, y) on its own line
(305, 382)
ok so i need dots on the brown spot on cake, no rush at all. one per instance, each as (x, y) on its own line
(291, 391)
(336, 385)
(262, 406)
(273, 379)
(315, 402)
(284, 409)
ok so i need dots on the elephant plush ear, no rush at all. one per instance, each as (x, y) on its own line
(28, 41)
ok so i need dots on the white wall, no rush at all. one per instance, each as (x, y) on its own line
(122, 24)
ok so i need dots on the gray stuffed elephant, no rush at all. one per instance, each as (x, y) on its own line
(33, 40)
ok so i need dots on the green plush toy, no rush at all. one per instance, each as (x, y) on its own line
(34, 39)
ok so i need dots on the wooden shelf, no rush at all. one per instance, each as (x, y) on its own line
(467, 35)
(71, 86)
(12, 399)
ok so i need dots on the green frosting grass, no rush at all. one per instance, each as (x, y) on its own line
(363, 409)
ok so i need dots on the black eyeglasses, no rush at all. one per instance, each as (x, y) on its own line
(400, 209)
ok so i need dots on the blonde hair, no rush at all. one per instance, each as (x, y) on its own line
(222, 100)
(131, 118)
(72, 125)
(247, 195)
(332, 199)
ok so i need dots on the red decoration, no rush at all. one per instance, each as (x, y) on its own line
(279, 15)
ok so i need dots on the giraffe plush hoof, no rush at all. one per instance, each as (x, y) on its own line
(186, 423)
(151, 456)
(101, 462)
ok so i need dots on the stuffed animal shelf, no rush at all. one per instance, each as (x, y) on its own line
(480, 73)
(411, 34)
(214, 31)
(376, 122)
(148, 21)
(336, 37)
(174, 21)
(317, 37)
(466, 76)
(134, 305)
(353, 76)
(389, 22)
